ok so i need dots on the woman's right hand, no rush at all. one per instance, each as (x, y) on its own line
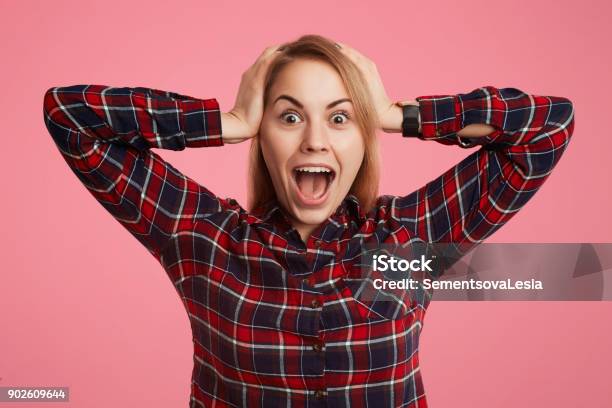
(243, 121)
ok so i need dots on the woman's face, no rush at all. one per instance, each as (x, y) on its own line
(311, 143)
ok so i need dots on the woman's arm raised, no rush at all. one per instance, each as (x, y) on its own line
(474, 198)
(105, 135)
(522, 138)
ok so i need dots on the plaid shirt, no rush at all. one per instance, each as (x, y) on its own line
(274, 319)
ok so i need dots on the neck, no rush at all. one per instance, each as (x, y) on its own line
(305, 230)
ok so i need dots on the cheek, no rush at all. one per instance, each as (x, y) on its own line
(277, 144)
(351, 152)
(276, 153)
(270, 159)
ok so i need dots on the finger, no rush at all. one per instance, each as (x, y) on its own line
(269, 54)
(272, 49)
(351, 53)
(267, 51)
(344, 47)
(265, 57)
(358, 58)
(264, 62)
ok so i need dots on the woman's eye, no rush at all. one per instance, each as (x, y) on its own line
(340, 115)
(294, 118)
(338, 118)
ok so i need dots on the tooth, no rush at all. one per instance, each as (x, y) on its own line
(314, 169)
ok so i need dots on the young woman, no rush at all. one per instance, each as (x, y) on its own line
(268, 291)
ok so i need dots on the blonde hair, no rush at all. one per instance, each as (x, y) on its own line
(365, 185)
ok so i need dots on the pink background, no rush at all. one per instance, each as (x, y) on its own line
(82, 304)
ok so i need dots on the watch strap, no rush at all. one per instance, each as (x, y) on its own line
(410, 120)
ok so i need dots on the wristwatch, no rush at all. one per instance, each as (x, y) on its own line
(411, 122)
(411, 119)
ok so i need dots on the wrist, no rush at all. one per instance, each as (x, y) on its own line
(393, 122)
(411, 118)
(233, 127)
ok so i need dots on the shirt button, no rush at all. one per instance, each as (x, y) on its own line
(232, 201)
(438, 132)
(306, 282)
(317, 243)
(314, 303)
(320, 394)
(317, 347)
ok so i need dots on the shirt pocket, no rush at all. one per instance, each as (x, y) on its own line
(376, 301)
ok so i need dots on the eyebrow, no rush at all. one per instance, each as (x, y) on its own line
(299, 105)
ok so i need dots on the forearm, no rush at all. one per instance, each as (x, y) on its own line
(469, 131)
(505, 116)
(140, 117)
(105, 135)
(476, 130)
(474, 198)
(235, 130)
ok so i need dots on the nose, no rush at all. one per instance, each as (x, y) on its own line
(315, 139)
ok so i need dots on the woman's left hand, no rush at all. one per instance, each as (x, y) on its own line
(389, 114)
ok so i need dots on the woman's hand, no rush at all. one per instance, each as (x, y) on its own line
(242, 122)
(389, 114)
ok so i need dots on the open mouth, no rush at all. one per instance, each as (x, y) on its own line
(313, 183)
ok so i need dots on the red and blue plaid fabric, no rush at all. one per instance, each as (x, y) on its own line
(274, 320)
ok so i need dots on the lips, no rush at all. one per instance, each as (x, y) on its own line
(312, 182)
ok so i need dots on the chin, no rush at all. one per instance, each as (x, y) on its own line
(312, 216)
